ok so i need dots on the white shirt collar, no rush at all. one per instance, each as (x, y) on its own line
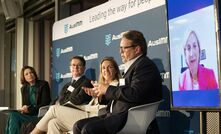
(114, 83)
(76, 78)
(129, 63)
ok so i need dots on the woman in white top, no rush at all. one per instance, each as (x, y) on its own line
(109, 74)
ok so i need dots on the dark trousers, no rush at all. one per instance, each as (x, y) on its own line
(27, 127)
(103, 124)
(153, 128)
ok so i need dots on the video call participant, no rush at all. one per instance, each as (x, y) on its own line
(196, 76)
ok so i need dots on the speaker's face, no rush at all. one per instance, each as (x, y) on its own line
(76, 68)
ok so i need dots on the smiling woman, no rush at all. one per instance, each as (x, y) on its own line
(196, 76)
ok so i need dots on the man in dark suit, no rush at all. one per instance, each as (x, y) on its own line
(59, 118)
(141, 84)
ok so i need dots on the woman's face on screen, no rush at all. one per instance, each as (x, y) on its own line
(192, 53)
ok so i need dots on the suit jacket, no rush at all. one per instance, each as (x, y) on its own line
(143, 84)
(206, 79)
(78, 96)
(42, 96)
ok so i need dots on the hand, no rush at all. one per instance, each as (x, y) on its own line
(102, 89)
(24, 109)
(91, 91)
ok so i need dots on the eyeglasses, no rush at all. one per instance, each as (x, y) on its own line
(73, 65)
(126, 47)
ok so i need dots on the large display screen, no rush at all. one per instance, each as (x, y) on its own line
(194, 54)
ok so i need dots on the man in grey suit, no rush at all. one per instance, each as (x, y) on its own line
(141, 84)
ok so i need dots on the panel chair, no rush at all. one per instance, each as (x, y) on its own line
(139, 118)
(42, 110)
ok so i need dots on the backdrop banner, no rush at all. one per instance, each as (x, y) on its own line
(96, 33)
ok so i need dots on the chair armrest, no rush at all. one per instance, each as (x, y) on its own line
(42, 110)
(144, 105)
(139, 118)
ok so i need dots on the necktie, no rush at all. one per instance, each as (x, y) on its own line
(73, 81)
(122, 73)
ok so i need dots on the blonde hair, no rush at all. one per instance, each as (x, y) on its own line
(186, 38)
(117, 75)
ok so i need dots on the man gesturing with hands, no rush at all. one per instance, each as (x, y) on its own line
(141, 84)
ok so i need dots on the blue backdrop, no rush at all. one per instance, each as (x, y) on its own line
(94, 44)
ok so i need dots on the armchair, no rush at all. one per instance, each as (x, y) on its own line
(139, 118)
(42, 110)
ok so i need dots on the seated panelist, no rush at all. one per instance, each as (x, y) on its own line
(35, 94)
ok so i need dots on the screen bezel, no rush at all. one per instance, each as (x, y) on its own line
(217, 36)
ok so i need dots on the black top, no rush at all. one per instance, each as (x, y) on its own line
(143, 84)
(42, 96)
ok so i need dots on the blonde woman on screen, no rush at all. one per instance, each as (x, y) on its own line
(196, 76)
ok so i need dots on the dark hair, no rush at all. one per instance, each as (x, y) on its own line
(22, 77)
(79, 58)
(137, 38)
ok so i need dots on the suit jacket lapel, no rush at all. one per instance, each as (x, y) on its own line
(78, 83)
(131, 67)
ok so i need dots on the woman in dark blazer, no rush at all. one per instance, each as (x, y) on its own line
(35, 94)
